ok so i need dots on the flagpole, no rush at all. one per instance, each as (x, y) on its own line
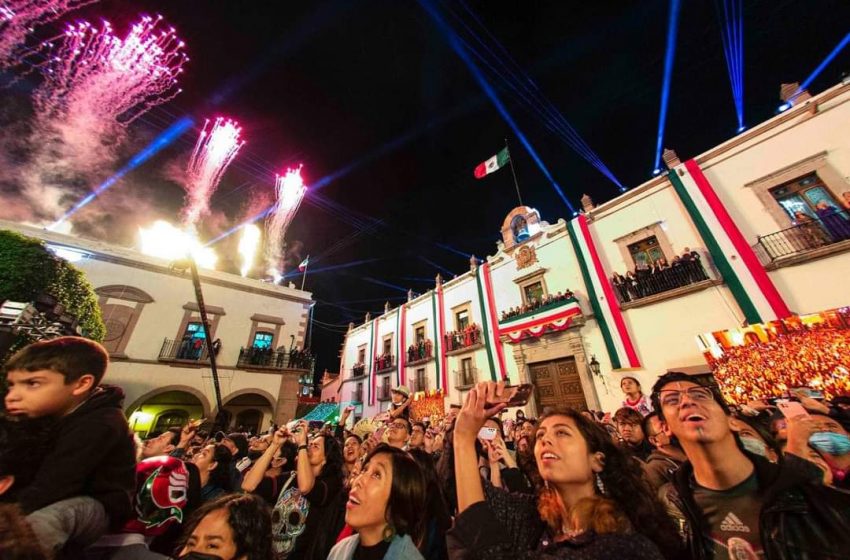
(304, 277)
(513, 172)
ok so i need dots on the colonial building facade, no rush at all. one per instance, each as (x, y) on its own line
(157, 345)
(752, 230)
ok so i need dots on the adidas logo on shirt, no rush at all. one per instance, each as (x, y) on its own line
(731, 523)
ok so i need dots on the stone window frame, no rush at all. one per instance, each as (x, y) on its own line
(530, 279)
(260, 323)
(384, 340)
(124, 293)
(652, 230)
(423, 324)
(818, 163)
(191, 314)
(361, 352)
(466, 306)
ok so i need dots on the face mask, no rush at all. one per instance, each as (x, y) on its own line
(754, 446)
(830, 442)
(198, 556)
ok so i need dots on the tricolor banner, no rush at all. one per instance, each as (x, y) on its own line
(373, 378)
(439, 337)
(536, 325)
(741, 270)
(401, 350)
(607, 312)
(490, 323)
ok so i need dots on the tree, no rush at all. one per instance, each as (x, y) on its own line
(28, 268)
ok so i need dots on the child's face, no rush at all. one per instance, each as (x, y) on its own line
(35, 394)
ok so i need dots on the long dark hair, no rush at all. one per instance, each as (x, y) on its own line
(406, 504)
(250, 520)
(437, 514)
(627, 497)
(333, 457)
(220, 475)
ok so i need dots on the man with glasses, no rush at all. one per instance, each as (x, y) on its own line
(398, 433)
(732, 504)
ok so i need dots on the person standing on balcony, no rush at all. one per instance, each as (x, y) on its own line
(832, 219)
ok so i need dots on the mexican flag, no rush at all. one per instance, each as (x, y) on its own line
(303, 266)
(493, 164)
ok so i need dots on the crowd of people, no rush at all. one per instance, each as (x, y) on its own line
(659, 276)
(384, 361)
(677, 473)
(299, 358)
(422, 349)
(815, 356)
(463, 338)
(535, 304)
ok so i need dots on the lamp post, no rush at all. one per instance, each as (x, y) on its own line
(596, 370)
(189, 263)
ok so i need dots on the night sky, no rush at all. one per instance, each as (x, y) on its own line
(373, 91)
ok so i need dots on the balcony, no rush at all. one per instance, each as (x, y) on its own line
(420, 384)
(385, 393)
(465, 379)
(420, 353)
(547, 303)
(268, 359)
(384, 363)
(808, 237)
(358, 370)
(645, 285)
(468, 339)
(187, 351)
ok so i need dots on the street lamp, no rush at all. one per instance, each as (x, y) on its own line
(596, 369)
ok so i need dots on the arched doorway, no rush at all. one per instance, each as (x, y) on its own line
(154, 414)
(250, 412)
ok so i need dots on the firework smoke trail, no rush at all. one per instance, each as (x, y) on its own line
(94, 84)
(18, 18)
(248, 245)
(289, 191)
(216, 147)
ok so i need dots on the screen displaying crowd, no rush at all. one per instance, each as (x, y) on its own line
(765, 361)
(676, 472)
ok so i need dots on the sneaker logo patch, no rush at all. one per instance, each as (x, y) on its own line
(731, 523)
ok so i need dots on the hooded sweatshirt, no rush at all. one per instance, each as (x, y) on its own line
(92, 453)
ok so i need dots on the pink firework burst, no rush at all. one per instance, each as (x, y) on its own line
(289, 191)
(216, 147)
(92, 74)
(18, 18)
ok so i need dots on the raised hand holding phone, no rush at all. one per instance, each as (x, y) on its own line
(477, 409)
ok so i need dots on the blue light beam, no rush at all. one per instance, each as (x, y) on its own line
(669, 56)
(730, 12)
(488, 90)
(164, 139)
(824, 63)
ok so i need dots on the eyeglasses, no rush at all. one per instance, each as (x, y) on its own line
(399, 425)
(673, 397)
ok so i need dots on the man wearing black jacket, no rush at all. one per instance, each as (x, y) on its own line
(730, 504)
(85, 482)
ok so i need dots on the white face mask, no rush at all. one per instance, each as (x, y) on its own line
(754, 445)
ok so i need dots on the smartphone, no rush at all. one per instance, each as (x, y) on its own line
(515, 395)
(791, 409)
(806, 392)
(487, 433)
(316, 424)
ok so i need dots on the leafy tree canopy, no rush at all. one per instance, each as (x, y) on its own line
(28, 268)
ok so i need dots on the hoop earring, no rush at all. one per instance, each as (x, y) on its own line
(389, 533)
(599, 484)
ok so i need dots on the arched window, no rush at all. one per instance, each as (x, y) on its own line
(170, 419)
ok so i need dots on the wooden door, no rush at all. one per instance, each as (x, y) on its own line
(557, 383)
